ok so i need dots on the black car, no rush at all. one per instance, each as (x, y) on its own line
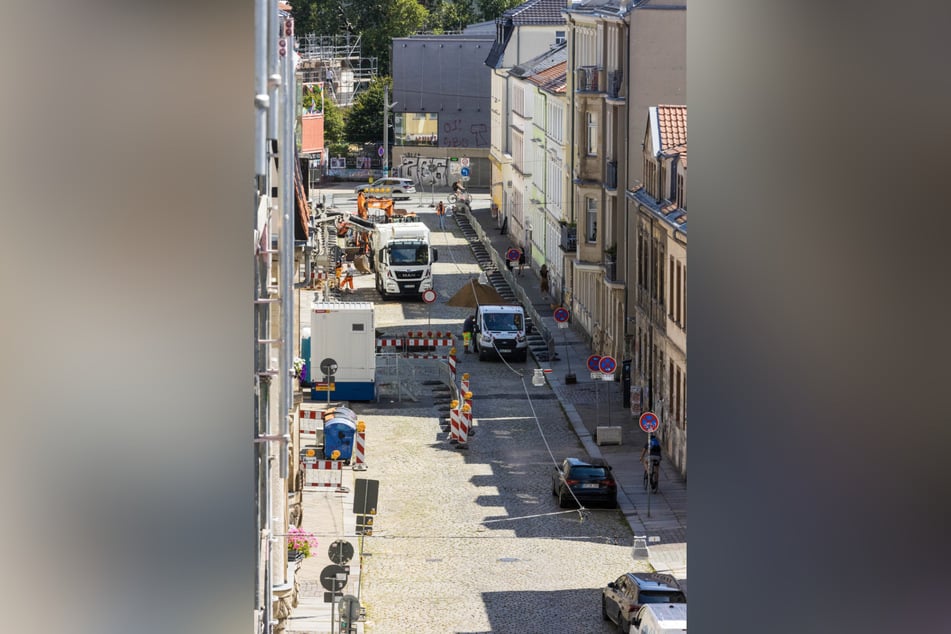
(622, 598)
(590, 481)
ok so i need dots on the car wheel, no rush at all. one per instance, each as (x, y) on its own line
(562, 500)
(604, 609)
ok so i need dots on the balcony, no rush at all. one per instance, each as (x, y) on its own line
(614, 83)
(610, 174)
(569, 238)
(587, 78)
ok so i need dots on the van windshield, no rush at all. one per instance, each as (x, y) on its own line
(503, 322)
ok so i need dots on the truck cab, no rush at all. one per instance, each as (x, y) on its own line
(501, 330)
(403, 259)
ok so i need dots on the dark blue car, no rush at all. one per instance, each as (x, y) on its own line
(584, 481)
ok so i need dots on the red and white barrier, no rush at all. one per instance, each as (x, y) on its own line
(452, 365)
(359, 451)
(465, 415)
(322, 474)
(310, 421)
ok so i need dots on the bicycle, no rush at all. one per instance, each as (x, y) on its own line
(461, 197)
(652, 472)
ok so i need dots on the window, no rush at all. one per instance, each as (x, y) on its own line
(555, 122)
(591, 219)
(650, 182)
(592, 125)
(670, 305)
(679, 310)
(560, 37)
(681, 200)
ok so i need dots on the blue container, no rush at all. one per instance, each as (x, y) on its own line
(338, 435)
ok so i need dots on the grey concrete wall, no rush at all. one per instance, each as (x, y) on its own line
(446, 75)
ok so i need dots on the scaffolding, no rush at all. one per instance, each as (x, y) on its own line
(337, 63)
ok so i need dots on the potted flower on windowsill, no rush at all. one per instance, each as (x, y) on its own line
(299, 543)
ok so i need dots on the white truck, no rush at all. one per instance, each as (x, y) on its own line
(402, 258)
(501, 329)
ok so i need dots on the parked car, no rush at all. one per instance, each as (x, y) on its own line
(591, 481)
(623, 597)
(388, 187)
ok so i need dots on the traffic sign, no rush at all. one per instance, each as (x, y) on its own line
(594, 362)
(464, 171)
(649, 422)
(380, 151)
(607, 365)
(561, 314)
(464, 161)
(328, 366)
(340, 552)
(512, 254)
(429, 296)
(334, 578)
(324, 386)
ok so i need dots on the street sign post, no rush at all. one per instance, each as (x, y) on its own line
(649, 422)
(561, 318)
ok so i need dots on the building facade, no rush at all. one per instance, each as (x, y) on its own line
(660, 282)
(441, 107)
(522, 34)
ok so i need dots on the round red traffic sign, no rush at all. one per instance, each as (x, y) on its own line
(429, 296)
(593, 363)
(512, 254)
(607, 365)
(561, 314)
(649, 422)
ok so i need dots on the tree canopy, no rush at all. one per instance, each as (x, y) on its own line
(364, 121)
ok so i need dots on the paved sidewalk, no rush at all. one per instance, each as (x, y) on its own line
(589, 404)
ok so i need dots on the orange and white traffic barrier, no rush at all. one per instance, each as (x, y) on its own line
(359, 449)
(308, 425)
(452, 365)
(465, 416)
(454, 416)
(467, 408)
(464, 383)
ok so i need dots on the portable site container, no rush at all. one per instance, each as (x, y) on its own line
(343, 332)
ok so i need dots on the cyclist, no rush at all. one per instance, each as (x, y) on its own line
(651, 447)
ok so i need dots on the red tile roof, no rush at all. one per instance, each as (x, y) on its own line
(551, 79)
(672, 121)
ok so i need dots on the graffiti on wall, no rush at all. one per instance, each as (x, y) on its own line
(427, 170)
(452, 133)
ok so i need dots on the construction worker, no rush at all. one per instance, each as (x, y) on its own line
(441, 215)
(467, 327)
(362, 205)
(338, 272)
(347, 281)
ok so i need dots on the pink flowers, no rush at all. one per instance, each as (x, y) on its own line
(300, 540)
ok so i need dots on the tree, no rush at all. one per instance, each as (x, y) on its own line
(334, 125)
(365, 118)
(450, 15)
(396, 18)
(491, 9)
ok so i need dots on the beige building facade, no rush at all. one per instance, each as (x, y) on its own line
(660, 276)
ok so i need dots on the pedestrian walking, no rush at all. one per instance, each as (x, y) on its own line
(441, 215)
(467, 327)
(521, 261)
(543, 275)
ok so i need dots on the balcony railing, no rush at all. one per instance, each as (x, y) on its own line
(614, 83)
(569, 238)
(610, 174)
(587, 78)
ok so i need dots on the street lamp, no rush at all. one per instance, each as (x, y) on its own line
(386, 129)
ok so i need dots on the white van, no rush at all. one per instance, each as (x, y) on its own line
(658, 618)
(500, 329)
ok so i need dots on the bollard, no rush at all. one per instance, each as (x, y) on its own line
(454, 422)
(468, 404)
(359, 447)
(452, 365)
(463, 426)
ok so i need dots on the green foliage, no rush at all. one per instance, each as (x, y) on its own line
(364, 121)
(334, 124)
(450, 15)
(491, 9)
